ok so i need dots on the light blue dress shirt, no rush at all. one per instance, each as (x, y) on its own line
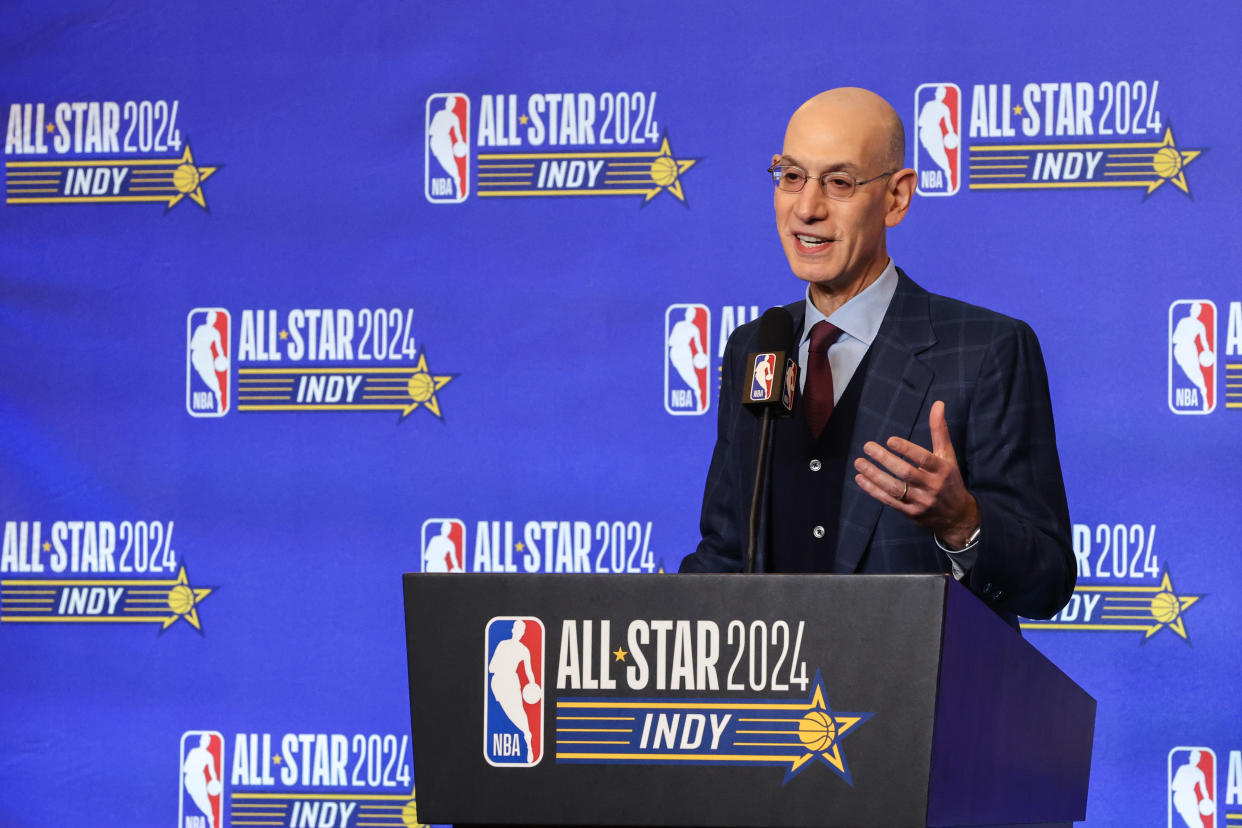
(859, 320)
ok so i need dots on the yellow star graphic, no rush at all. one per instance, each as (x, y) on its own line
(665, 172)
(50, 128)
(523, 119)
(1169, 163)
(183, 601)
(422, 387)
(284, 334)
(1017, 109)
(1167, 608)
(188, 178)
(620, 653)
(277, 759)
(840, 726)
(47, 547)
(519, 546)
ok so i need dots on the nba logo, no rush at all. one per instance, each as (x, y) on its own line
(208, 366)
(1192, 356)
(687, 332)
(202, 785)
(1192, 787)
(447, 148)
(513, 692)
(761, 377)
(444, 545)
(938, 148)
(791, 383)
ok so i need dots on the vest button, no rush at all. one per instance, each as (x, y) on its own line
(818, 531)
(816, 465)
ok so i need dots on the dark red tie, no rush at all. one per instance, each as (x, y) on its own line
(817, 394)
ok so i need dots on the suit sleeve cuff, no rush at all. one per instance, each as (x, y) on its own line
(961, 560)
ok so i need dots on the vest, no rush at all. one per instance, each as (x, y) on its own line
(808, 476)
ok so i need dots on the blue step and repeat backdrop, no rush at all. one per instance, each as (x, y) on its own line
(295, 298)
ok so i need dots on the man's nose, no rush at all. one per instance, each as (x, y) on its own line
(812, 204)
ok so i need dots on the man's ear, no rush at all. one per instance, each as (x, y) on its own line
(900, 192)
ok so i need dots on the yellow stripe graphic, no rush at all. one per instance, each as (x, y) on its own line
(678, 757)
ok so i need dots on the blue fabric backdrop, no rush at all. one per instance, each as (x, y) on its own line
(289, 290)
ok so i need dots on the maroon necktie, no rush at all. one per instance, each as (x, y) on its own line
(817, 395)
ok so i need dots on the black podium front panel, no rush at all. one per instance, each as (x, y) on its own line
(673, 700)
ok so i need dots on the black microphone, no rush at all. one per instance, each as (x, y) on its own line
(772, 371)
(772, 376)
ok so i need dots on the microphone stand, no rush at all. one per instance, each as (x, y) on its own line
(765, 428)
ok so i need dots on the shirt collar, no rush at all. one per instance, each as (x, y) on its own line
(861, 316)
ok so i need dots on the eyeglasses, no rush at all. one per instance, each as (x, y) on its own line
(838, 184)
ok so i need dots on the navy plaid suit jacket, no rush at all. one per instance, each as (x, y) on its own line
(989, 371)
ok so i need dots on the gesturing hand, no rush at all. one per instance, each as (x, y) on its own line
(925, 486)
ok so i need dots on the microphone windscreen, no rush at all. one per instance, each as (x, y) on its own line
(775, 330)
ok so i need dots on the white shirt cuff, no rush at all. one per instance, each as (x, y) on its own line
(961, 560)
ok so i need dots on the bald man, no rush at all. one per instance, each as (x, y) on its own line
(939, 453)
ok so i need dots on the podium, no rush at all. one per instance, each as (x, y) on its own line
(723, 700)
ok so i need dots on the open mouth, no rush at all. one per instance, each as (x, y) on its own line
(812, 243)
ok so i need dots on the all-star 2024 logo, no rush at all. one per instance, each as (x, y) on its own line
(1046, 136)
(101, 152)
(535, 545)
(1122, 587)
(308, 359)
(763, 728)
(505, 145)
(303, 778)
(100, 572)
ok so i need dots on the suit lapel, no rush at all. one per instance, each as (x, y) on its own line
(892, 396)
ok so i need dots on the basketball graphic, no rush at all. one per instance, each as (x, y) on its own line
(420, 387)
(817, 730)
(664, 170)
(1167, 162)
(181, 599)
(186, 178)
(1165, 607)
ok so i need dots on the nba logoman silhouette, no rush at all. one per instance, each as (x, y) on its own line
(208, 357)
(507, 686)
(447, 140)
(1188, 804)
(200, 778)
(935, 139)
(441, 553)
(1188, 334)
(689, 356)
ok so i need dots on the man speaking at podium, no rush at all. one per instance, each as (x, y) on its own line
(921, 439)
